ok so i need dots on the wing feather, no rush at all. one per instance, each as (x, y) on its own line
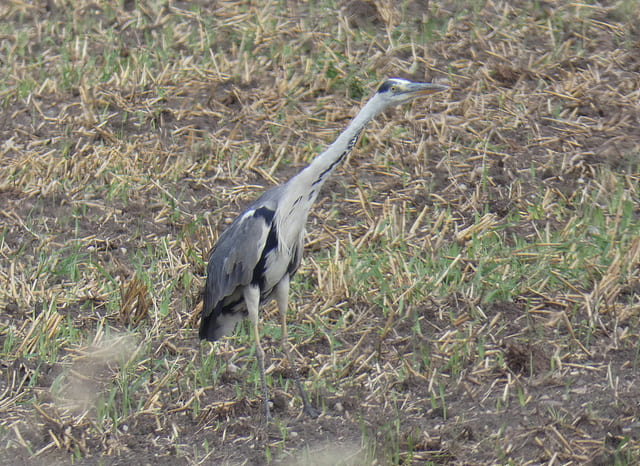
(235, 256)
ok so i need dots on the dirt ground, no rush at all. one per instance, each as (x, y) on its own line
(112, 194)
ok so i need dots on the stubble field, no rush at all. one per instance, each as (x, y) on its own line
(470, 292)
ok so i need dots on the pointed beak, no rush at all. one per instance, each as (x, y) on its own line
(420, 89)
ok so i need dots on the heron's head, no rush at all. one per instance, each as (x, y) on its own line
(395, 91)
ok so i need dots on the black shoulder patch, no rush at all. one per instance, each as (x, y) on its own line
(258, 277)
(384, 87)
(266, 214)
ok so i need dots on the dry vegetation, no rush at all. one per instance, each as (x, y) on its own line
(471, 287)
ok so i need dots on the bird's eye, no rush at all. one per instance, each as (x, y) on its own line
(393, 89)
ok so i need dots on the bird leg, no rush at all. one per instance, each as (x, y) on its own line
(252, 299)
(281, 294)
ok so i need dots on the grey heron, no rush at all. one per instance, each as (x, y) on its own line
(258, 254)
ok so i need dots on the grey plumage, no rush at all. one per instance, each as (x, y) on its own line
(248, 253)
(258, 254)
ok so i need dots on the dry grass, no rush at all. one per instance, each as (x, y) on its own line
(471, 287)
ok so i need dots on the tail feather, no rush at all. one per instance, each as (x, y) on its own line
(218, 323)
(208, 328)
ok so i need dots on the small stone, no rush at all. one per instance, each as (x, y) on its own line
(232, 368)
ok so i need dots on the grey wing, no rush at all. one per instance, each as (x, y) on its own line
(238, 251)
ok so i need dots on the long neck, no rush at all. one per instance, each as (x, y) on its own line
(316, 173)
